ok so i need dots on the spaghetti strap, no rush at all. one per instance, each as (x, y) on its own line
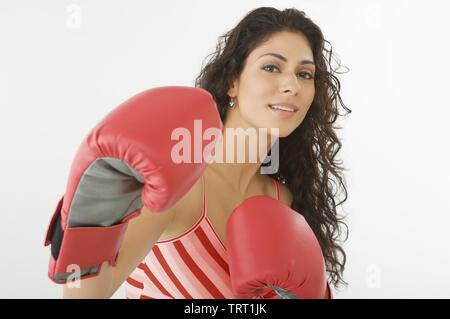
(277, 188)
(204, 198)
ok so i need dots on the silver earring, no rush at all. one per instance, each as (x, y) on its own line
(231, 104)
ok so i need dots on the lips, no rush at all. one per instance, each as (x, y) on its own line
(292, 109)
(287, 105)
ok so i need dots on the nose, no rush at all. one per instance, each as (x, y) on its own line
(291, 84)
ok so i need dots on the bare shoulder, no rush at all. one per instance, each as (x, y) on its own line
(286, 196)
(187, 212)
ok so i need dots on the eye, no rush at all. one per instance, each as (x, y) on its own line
(269, 66)
(306, 75)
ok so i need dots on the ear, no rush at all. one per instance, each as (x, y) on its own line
(233, 85)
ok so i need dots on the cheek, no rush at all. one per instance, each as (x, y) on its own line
(308, 94)
(311, 93)
(258, 87)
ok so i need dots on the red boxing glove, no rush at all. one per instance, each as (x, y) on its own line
(271, 245)
(129, 159)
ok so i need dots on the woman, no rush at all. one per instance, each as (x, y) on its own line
(258, 66)
(271, 57)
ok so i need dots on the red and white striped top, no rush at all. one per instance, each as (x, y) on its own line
(192, 265)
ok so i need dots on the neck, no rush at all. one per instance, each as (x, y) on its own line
(239, 155)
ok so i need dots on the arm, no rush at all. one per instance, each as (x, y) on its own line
(141, 234)
(129, 160)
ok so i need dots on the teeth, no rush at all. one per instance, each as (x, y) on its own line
(280, 107)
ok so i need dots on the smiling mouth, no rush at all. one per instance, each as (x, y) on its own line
(282, 108)
(283, 111)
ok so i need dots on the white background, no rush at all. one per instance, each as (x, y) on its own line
(65, 64)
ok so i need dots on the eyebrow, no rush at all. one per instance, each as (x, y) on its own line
(302, 62)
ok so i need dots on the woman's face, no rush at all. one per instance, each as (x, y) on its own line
(280, 70)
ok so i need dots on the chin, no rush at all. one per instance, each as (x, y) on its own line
(285, 133)
(282, 132)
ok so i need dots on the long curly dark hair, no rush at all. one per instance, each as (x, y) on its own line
(307, 155)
